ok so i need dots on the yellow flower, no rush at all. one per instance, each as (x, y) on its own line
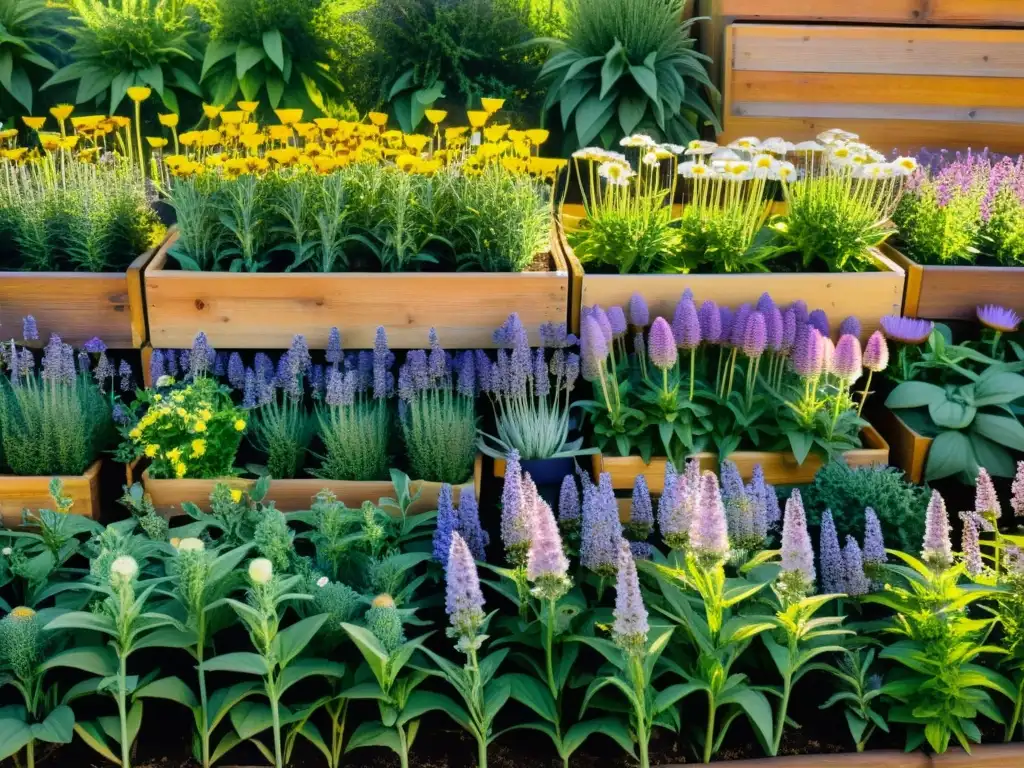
(189, 138)
(158, 397)
(326, 123)
(199, 426)
(180, 469)
(248, 106)
(156, 142)
(62, 111)
(450, 134)
(279, 132)
(477, 118)
(232, 118)
(139, 93)
(284, 156)
(168, 121)
(435, 116)
(236, 495)
(23, 612)
(495, 132)
(35, 123)
(205, 415)
(538, 135)
(198, 448)
(288, 116)
(135, 434)
(492, 105)
(378, 118)
(239, 425)
(173, 455)
(211, 111)
(416, 142)
(152, 450)
(178, 397)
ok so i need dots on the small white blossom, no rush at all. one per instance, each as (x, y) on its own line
(6, 551)
(124, 567)
(191, 544)
(261, 571)
(322, 582)
(165, 381)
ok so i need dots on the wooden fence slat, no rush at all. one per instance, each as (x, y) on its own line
(876, 112)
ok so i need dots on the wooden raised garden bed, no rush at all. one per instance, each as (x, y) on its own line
(266, 310)
(902, 87)
(77, 305)
(866, 295)
(18, 494)
(295, 495)
(982, 756)
(907, 449)
(945, 12)
(955, 292)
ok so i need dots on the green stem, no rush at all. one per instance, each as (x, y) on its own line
(276, 716)
(780, 722)
(864, 394)
(122, 685)
(30, 754)
(204, 730)
(693, 363)
(709, 732)
(549, 650)
(403, 755)
(481, 752)
(1011, 726)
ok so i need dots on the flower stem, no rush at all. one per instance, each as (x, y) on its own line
(276, 715)
(549, 643)
(864, 394)
(781, 719)
(709, 732)
(122, 685)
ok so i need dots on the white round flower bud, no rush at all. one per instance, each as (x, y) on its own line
(322, 582)
(6, 551)
(165, 381)
(261, 571)
(191, 544)
(124, 567)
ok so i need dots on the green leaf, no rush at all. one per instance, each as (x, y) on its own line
(612, 68)
(153, 76)
(95, 660)
(241, 662)
(951, 414)
(166, 637)
(996, 459)
(170, 688)
(225, 745)
(592, 115)
(370, 734)
(89, 622)
(632, 108)
(950, 453)
(756, 708)
(800, 444)
(91, 733)
(646, 79)
(998, 389)
(21, 88)
(371, 649)
(534, 694)
(404, 82)
(227, 563)
(304, 668)
(14, 735)
(674, 693)
(1004, 430)
(57, 728)
(216, 50)
(496, 695)
(6, 67)
(247, 56)
(607, 726)
(223, 700)
(275, 90)
(914, 394)
(290, 642)
(274, 46)
(250, 718)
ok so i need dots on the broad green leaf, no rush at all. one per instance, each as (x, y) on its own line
(246, 57)
(950, 414)
(425, 701)
(496, 694)
(950, 453)
(225, 745)
(216, 50)
(170, 688)
(14, 735)
(592, 115)
(166, 637)
(89, 622)
(607, 726)
(674, 693)
(94, 660)
(290, 642)
(530, 691)
(999, 388)
(57, 728)
(632, 107)
(92, 734)
(274, 46)
(612, 68)
(370, 734)
(646, 79)
(914, 394)
(371, 649)
(303, 668)
(223, 700)
(250, 718)
(242, 662)
(1004, 430)
(756, 708)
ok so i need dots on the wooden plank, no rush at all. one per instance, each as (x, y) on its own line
(976, 12)
(33, 493)
(903, 135)
(265, 311)
(875, 11)
(878, 50)
(907, 449)
(987, 756)
(880, 758)
(840, 88)
(867, 111)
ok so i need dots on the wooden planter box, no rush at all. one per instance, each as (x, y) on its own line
(266, 310)
(946, 12)
(77, 305)
(907, 449)
(295, 495)
(866, 295)
(33, 493)
(982, 756)
(955, 293)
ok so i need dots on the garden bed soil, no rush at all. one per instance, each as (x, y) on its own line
(955, 292)
(266, 310)
(33, 493)
(297, 494)
(78, 305)
(865, 295)
(907, 449)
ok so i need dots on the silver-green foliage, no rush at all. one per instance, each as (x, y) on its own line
(283, 430)
(355, 439)
(439, 428)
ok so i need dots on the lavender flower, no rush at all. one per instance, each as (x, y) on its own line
(641, 514)
(124, 371)
(516, 514)
(185, 361)
(739, 326)
(970, 544)
(708, 532)
(569, 505)
(986, 502)
(594, 348)
(826, 355)
(937, 551)
(686, 325)
(249, 399)
(799, 309)
(773, 328)
(170, 363)
(818, 319)
(29, 329)
(764, 302)
(469, 527)
(103, 372)
(850, 326)
(830, 556)
(672, 521)
(465, 375)
(855, 582)
(464, 602)
(447, 524)
(94, 346)
(661, 345)
(876, 353)
(202, 356)
(906, 330)
(738, 508)
(156, 365)
(806, 353)
(639, 315)
(547, 566)
(630, 627)
(764, 502)
(617, 321)
(755, 336)
(236, 371)
(263, 366)
(875, 557)
(220, 362)
(601, 318)
(797, 579)
(119, 414)
(333, 354)
(726, 319)
(1017, 489)
(847, 362)
(788, 331)
(997, 318)
(601, 528)
(710, 322)
(299, 362)
(383, 379)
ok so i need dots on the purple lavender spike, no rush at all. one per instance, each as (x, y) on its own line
(710, 322)
(236, 371)
(333, 354)
(156, 366)
(639, 314)
(617, 321)
(851, 326)
(830, 556)
(661, 345)
(819, 320)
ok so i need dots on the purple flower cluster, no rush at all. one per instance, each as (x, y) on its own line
(798, 573)
(855, 581)
(986, 502)
(630, 627)
(906, 330)
(569, 512)
(709, 539)
(602, 531)
(970, 544)
(641, 513)
(1017, 491)
(875, 557)
(936, 550)
(546, 565)
(518, 501)
(464, 602)
(830, 556)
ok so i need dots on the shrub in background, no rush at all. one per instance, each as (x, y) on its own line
(900, 505)
(27, 51)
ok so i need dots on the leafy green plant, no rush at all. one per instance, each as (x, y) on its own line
(861, 696)
(283, 430)
(27, 51)
(625, 66)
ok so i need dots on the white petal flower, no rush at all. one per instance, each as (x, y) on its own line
(261, 571)
(6, 551)
(905, 165)
(776, 145)
(651, 158)
(724, 155)
(786, 172)
(165, 381)
(808, 146)
(698, 147)
(747, 144)
(765, 167)
(675, 149)
(615, 172)
(322, 582)
(124, 567)
(637, 140)
(191, 544)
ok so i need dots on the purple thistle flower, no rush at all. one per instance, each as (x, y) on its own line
(249, 394)
(847, 362)
(797, 554)
(569, 503)
(333, 354)
(661, 345)
(788, 331)
(906, 330)
(799, 309)
(986, 502)
(686, 324)
(236, 371)
(726, 318)
(755, 337)
(516, 517)
(541, 383)
(806, 353)
(383, 380)
(851, 326)
(469, 527)
(708, 531)
(710, 322)
(639, 315)
(855, 582)
(630, 627)
(617, 321)
(641, 511)
(464, 602)
(202, 356)
(876, 353)
(170, 362)
(29, 329)
(601, 528)
(465, 375)
(830, 556)
(818, 319)
(1017, 489)
(937, 551)
(739, 325)
(124, 371)
(826, 355)
(764, 302)
(773, 328)
(546, 561)
(94, 346)
(594, 348)
(997, 318)
(184, 361)
(874, 543)
(156, 366)
(970, 545)
(103, 372)
(220, 363)
(447, 523)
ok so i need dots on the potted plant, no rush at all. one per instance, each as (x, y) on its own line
(730, 241)
(76, 232)
(340, 222)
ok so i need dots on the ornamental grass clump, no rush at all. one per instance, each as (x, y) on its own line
(57, 419)
(76, 202)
